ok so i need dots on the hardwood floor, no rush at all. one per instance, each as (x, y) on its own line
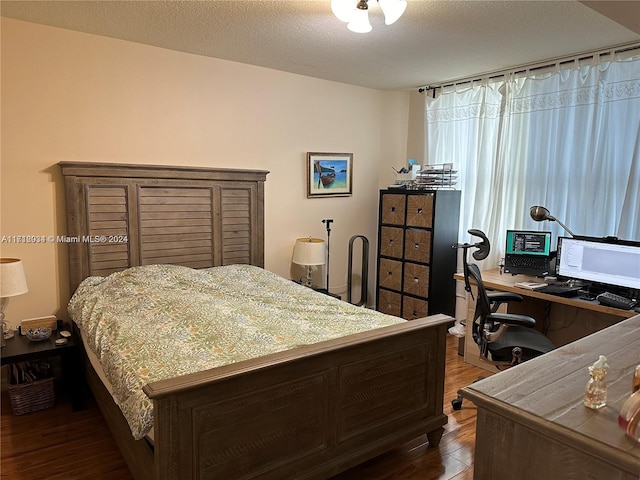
(60, 444)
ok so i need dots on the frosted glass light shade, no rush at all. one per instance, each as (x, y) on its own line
(309, 251)
(360, 22)
(343, 9)
(392, 9)
(12, 279)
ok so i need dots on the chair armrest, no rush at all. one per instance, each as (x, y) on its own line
(512, 319)
(503, 297)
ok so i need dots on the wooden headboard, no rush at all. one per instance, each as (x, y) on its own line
(119, 216)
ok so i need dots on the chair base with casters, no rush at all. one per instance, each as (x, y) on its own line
(504, 339)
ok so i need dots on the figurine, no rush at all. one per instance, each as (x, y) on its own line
(595, 395)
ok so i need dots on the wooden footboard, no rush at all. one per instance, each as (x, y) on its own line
(307, 413)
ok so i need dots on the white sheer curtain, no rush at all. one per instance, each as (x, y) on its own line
(568, 140)
(463, 127)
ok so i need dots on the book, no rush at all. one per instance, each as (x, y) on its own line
(531, 285)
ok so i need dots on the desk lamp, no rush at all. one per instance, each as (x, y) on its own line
(540, 214)
(12, 283)
(308, 252)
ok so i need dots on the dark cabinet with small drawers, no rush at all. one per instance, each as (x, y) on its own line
(416, 261)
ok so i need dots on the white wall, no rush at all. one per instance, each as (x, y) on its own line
(79, 97)
(416, 146)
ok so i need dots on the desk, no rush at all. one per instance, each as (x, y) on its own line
(562, 319)
(531, 421)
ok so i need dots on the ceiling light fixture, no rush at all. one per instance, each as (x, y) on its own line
(360, 19)
(356, 12)
(392, 9)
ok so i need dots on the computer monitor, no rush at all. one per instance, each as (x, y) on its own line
(601, 260)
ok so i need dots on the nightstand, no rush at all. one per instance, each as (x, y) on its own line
(20, 349)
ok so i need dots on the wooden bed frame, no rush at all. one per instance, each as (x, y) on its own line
(307, 413)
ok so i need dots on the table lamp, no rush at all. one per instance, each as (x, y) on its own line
(308, 252)
(540, 214)
(12, 283)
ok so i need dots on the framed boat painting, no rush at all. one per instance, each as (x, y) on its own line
(329, 174)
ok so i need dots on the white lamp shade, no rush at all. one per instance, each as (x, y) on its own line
(309, 251)
(12, 279)
(360, 22)
(392, 9)
(343, 9)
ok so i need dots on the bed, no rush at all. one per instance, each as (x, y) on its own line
(308, 412)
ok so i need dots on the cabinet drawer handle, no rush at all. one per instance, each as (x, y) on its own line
(417, 245)
(419, 210)
(415, 279)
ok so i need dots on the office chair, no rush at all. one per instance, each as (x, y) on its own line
(504, 339)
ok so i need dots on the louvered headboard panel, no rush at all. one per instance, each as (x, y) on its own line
(236, 225)
(107, 217)
(121, 216)
(176, 225)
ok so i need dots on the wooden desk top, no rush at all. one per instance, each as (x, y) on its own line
(506, 283)
(546, 393)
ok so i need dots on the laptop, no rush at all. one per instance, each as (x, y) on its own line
(528, 252)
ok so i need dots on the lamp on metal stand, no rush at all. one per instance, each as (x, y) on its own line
(327, 222)
(540, 214)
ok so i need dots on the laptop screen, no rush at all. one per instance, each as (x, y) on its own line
(525, 242)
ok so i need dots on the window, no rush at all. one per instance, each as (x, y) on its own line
(567, 139)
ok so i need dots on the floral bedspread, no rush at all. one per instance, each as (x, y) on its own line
(160, 321)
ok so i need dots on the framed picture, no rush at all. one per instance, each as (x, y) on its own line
(329, 174)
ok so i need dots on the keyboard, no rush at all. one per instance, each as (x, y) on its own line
(527, 262)
(560, 290)
(616, 301)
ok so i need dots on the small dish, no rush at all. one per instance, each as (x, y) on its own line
(38, 334)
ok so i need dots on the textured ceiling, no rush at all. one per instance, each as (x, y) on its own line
(433, 42)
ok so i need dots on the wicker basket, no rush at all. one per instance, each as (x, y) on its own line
(33, 396)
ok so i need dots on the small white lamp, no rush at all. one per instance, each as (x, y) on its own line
(309, 252)
(12, 283)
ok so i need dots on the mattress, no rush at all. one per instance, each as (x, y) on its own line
(154, 322)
